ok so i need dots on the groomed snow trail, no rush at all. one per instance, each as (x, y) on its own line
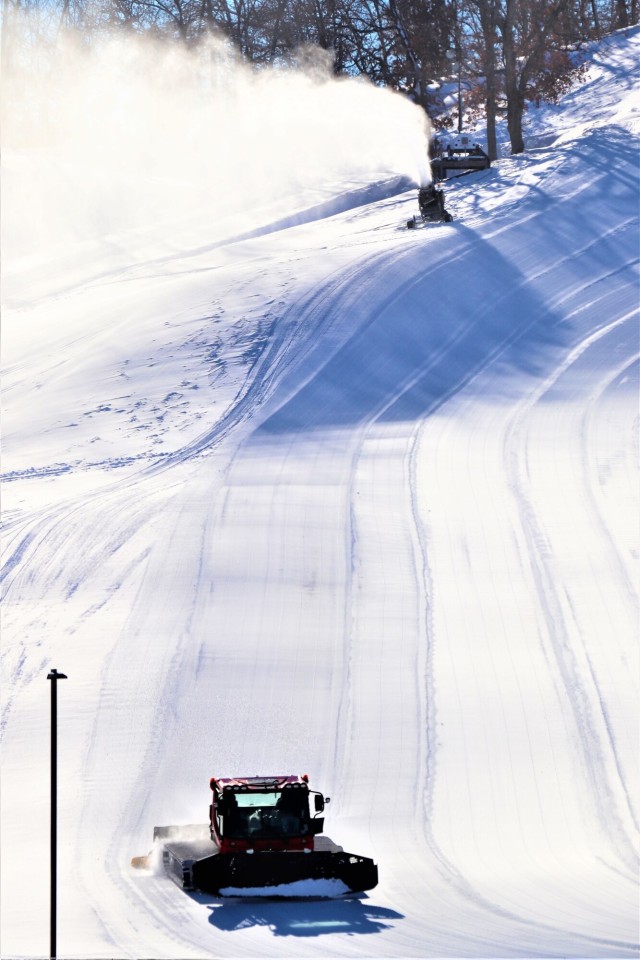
(357, 501)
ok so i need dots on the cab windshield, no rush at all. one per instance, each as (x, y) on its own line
(262, 815)
(254, 799)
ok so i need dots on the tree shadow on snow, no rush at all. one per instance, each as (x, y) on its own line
(303, 918)
(516, 295)
(421, 325)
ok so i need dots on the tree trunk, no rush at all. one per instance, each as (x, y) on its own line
(275, 30)
(487, 10)
(622, 16)
(515, 102)
(490, 106)
(515, 110)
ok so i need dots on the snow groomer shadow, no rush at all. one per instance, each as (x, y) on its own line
(302, 918)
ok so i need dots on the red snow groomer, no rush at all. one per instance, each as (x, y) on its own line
(264, 838)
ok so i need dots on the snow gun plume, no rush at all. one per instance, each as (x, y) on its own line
(126, 132)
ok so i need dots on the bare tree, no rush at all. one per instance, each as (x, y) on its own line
(537, 56)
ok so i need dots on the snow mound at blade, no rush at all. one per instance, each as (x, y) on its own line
(299, 888)
(149, 865)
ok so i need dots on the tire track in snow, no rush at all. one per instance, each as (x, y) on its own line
(140, 676)
(624, 371)
(571, 656)
(532, 931)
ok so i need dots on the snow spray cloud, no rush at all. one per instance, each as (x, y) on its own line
(132, 134)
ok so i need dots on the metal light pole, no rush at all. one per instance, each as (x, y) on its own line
(54, 676)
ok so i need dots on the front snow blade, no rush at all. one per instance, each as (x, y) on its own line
(317, 873)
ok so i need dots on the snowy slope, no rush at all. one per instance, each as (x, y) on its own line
(342, 498)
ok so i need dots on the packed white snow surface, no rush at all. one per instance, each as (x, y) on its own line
(345, 499)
